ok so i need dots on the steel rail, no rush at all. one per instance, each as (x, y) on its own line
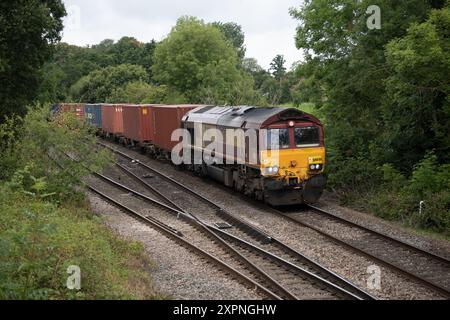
(435, 287)
(241, 224)
(278, 287)
(261, 235)
(288, 264)
(179, 238)
(170, 231)
(380, 234)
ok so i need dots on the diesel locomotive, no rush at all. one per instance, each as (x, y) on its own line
(283, 156)
(275, 155)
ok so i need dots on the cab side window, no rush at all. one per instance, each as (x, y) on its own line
(278, 139)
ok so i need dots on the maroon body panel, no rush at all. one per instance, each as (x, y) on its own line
(76, 108)
(112, 120)
(166, 119)
(138, 122)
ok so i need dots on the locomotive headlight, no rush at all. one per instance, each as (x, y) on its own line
(271, 170)
(315, 167)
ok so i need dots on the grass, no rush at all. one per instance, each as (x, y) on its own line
(363, 202)
(46, 225)
(39, 241)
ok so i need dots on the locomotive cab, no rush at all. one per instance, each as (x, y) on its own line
(292, 162)
(282, 149)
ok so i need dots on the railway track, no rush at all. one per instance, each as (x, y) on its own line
(233, 266)
(422, 266)
(253, 264)
(210, 248)
(265, 251)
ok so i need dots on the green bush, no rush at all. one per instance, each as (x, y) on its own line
(9, 133)
(346, 175)
(39, 241)
(36, 149)
(45, 223)
(398, 198)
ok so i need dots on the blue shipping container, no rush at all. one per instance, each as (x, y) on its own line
(93, 114)
(54, 109)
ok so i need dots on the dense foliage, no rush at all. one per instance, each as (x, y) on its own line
(40, 240)
(234, 34)
(46, 225)
(384, 94)
(198, 62)
(69, 72)
(27, 31)
(100, 85)
(221, 74)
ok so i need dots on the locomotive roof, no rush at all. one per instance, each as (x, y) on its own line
(246, 116)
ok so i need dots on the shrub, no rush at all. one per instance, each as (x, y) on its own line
(398, 198)
(39, 241)
(351, 174)
(36, 152)
(45, 223)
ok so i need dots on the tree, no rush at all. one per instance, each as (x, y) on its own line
(27, 34)
(233, 33)
(70, 63)
(100, 85)
(251, 66)
(147, 58)
(417, 105)
(51, 88)
(277, 67)
(271, 90)
(140, 92)
(196, 61)
(276, 85)
(128, 50)
(347, 76)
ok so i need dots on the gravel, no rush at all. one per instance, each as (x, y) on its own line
(393, 229)
(345, 263)
(177, 273)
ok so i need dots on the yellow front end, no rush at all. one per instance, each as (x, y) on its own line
(293, 176)
(288, 164)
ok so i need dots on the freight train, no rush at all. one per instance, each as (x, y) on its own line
(275, 155)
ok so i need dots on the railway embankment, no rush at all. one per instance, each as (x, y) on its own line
(52, 246)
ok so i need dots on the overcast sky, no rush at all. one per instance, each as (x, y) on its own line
(268, 27)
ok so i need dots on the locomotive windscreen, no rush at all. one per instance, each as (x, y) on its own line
(307, 137)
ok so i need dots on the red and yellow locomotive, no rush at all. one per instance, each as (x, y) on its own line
(276, 155)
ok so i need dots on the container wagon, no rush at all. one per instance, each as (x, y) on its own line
(166, 119)
(112, 120)
(137, 124)
(76, 108)
(93, 115)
